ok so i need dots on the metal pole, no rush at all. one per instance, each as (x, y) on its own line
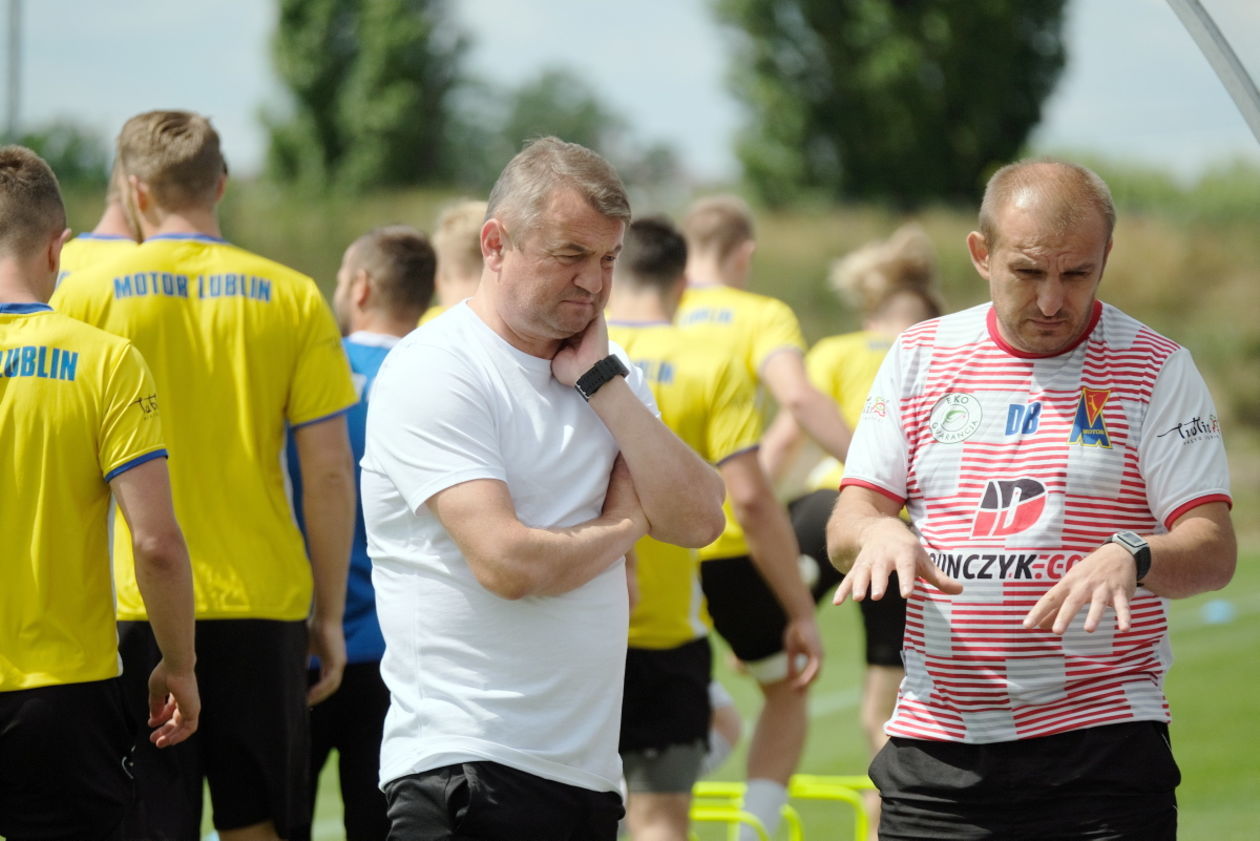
(1217, 50)
(14, 70)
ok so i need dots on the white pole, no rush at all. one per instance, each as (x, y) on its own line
(14, 71)
(1217, 50)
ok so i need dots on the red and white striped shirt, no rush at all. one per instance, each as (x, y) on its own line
(1014, 467)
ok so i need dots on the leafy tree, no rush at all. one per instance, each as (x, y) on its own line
(899, 100)
(79, 156)
(371, 82)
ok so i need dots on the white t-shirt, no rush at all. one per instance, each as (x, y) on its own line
(534, 684)
(1014, 467)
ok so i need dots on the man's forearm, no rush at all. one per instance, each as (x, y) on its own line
(680, 494)
(328, 513)
(164, 577)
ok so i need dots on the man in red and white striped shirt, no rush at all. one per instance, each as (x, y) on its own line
(1063, 469)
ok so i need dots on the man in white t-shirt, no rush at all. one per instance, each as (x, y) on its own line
(1064, 473)
(511, 462)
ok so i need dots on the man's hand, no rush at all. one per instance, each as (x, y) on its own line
(580, 352)
(888, 547)
(328, 643)
(802, 641)
(174, 705)
(1104, 578)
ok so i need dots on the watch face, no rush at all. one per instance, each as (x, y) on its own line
(1129, 540)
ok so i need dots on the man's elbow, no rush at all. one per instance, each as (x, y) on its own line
(160, 553)
(503, 580)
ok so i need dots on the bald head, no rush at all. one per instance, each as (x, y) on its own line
(1063, 195)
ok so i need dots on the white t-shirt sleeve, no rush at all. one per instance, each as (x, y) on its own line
(878, 455)
(1181, 455)
(433, 426)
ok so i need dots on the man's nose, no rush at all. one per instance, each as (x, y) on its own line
(1050, 296)
(590, 276)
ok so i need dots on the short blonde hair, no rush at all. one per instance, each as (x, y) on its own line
(457, 239)
(31, 210)
(718, 225)
(176, 153)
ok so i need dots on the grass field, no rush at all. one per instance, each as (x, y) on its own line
(1213, 688)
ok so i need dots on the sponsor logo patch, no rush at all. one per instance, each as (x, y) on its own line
(1089, 429)
(1009, 507)
(875, 405)
(1195, 430)
(955, 418)
(1023, 420)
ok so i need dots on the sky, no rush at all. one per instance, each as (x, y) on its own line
(1135, 87)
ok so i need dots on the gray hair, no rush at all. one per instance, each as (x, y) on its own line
(548, 164)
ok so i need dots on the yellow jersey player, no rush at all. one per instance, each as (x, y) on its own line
(764, 334)
(79, 420)
(706, 397)
(241, 347)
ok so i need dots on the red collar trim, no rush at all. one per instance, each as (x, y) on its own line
(996, 335)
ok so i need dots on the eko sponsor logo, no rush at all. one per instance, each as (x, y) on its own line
(955, 418)
(1009, 506)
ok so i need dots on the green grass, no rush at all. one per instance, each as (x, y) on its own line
(1212, 686)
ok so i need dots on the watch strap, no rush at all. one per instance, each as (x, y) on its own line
(1138, 548)
(599, 374)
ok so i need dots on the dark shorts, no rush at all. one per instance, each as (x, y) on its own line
(666, 701)
(744, 608)
(252, 744)
(1113, 783)
(485, 801)
(884, 620)
(350, 722)
(64, 757)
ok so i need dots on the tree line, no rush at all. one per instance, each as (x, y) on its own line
(903, 102)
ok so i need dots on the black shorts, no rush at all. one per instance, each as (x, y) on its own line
(1114, 783)
(666, 700)
(486, 801)
(64, 757)
(350, 721)
(252, 745)
(884, 621)
(744, 608)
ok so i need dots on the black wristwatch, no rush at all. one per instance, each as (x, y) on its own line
(600, 373)
(1138, 548)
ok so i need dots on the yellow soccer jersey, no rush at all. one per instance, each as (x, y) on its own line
(843, 368)
(240, 346)
(706, 399)
(90, 249)
(431, 313)
(77, 408)
(752, 328)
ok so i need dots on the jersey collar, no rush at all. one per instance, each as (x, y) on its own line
(186, 237)
(24, 308)
(996, 335)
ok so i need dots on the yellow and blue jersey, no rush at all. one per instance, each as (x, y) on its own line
(705, 397)
(90, 249)
(78, 406)
(843, 368)
(241, 347)
(750, 328)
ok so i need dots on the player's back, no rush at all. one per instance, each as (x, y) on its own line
(753, 326)
(77, 408)
(87, 250)
(705, 398)
(239, 346)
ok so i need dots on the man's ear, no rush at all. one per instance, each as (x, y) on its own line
(494, 241)
(978, 248)
(361, 288)
(55, 244)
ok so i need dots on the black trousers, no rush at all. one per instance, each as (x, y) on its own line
(1113, 783)
(485, 801)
